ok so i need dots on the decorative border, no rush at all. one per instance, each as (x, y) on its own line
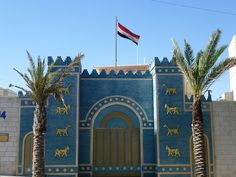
(116, 100)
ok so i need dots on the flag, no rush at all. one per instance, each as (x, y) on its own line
(125, 33)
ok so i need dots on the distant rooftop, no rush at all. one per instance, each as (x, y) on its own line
(7, 92)
(125, 68)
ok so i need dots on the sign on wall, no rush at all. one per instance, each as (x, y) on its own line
(3, 114)
(4, 137)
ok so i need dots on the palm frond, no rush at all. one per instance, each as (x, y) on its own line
(32, 64)
(31, 74)
(196, 64)
(18, 87)
(207, 58)
(24, 76)
(180, 61)
(217, 71)
(29, 82)
(209, 65)
(201, 70)
(42, 83)
(212, 44)
(188, 51)
(59, 97)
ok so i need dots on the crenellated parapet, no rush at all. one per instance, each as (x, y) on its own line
(120, 74)
(163, 66)
(22, 95)
(164, 62)
(206, 102)
(203, 98)
(60, 64)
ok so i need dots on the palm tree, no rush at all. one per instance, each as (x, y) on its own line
(201, 71)
(41, 84)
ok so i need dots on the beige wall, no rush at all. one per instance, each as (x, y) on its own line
(8, 150)
(224, 120)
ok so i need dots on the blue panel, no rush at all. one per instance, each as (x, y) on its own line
(91, 91)
(149, 175)
(55, 121)
(26, 124)
(175, 175)
(181, 120)
(149, 146)
(48, 175)
(84, 175)
(84, 148)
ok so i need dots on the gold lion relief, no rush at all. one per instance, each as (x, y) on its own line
(62, 152)
(174, 152)
(170, 90)
(63, 110)
(171, 110)
(172, 131)
(63, 131)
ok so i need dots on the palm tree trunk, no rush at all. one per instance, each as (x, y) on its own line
(39, 129)
(198, 139)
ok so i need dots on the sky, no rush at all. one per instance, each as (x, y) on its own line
(65, 28)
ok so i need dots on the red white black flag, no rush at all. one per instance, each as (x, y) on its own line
(125, 33)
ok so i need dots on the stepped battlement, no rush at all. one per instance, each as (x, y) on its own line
(112, 74)
(203, 98)
(164, 62)
(59, 64)
(59, 61)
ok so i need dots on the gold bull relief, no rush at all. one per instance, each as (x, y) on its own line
(169, 90)
(171, 110)
(172, 131)
(63, 110)
(173, 152)
(63, 131)
(62, 152)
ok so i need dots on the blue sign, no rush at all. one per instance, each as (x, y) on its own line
(3, 114)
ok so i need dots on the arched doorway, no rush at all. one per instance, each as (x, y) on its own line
(27, 153)
(116, 145)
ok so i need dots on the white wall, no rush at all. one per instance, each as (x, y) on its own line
(232, 71)
(8, 150)
(224, 120)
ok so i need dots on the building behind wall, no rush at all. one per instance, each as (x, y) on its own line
(7, 93)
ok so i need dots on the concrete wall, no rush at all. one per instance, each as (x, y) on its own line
(9, 126)
(224, 116)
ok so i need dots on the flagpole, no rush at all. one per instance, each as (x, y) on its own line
(137, 54)
(116, 46)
